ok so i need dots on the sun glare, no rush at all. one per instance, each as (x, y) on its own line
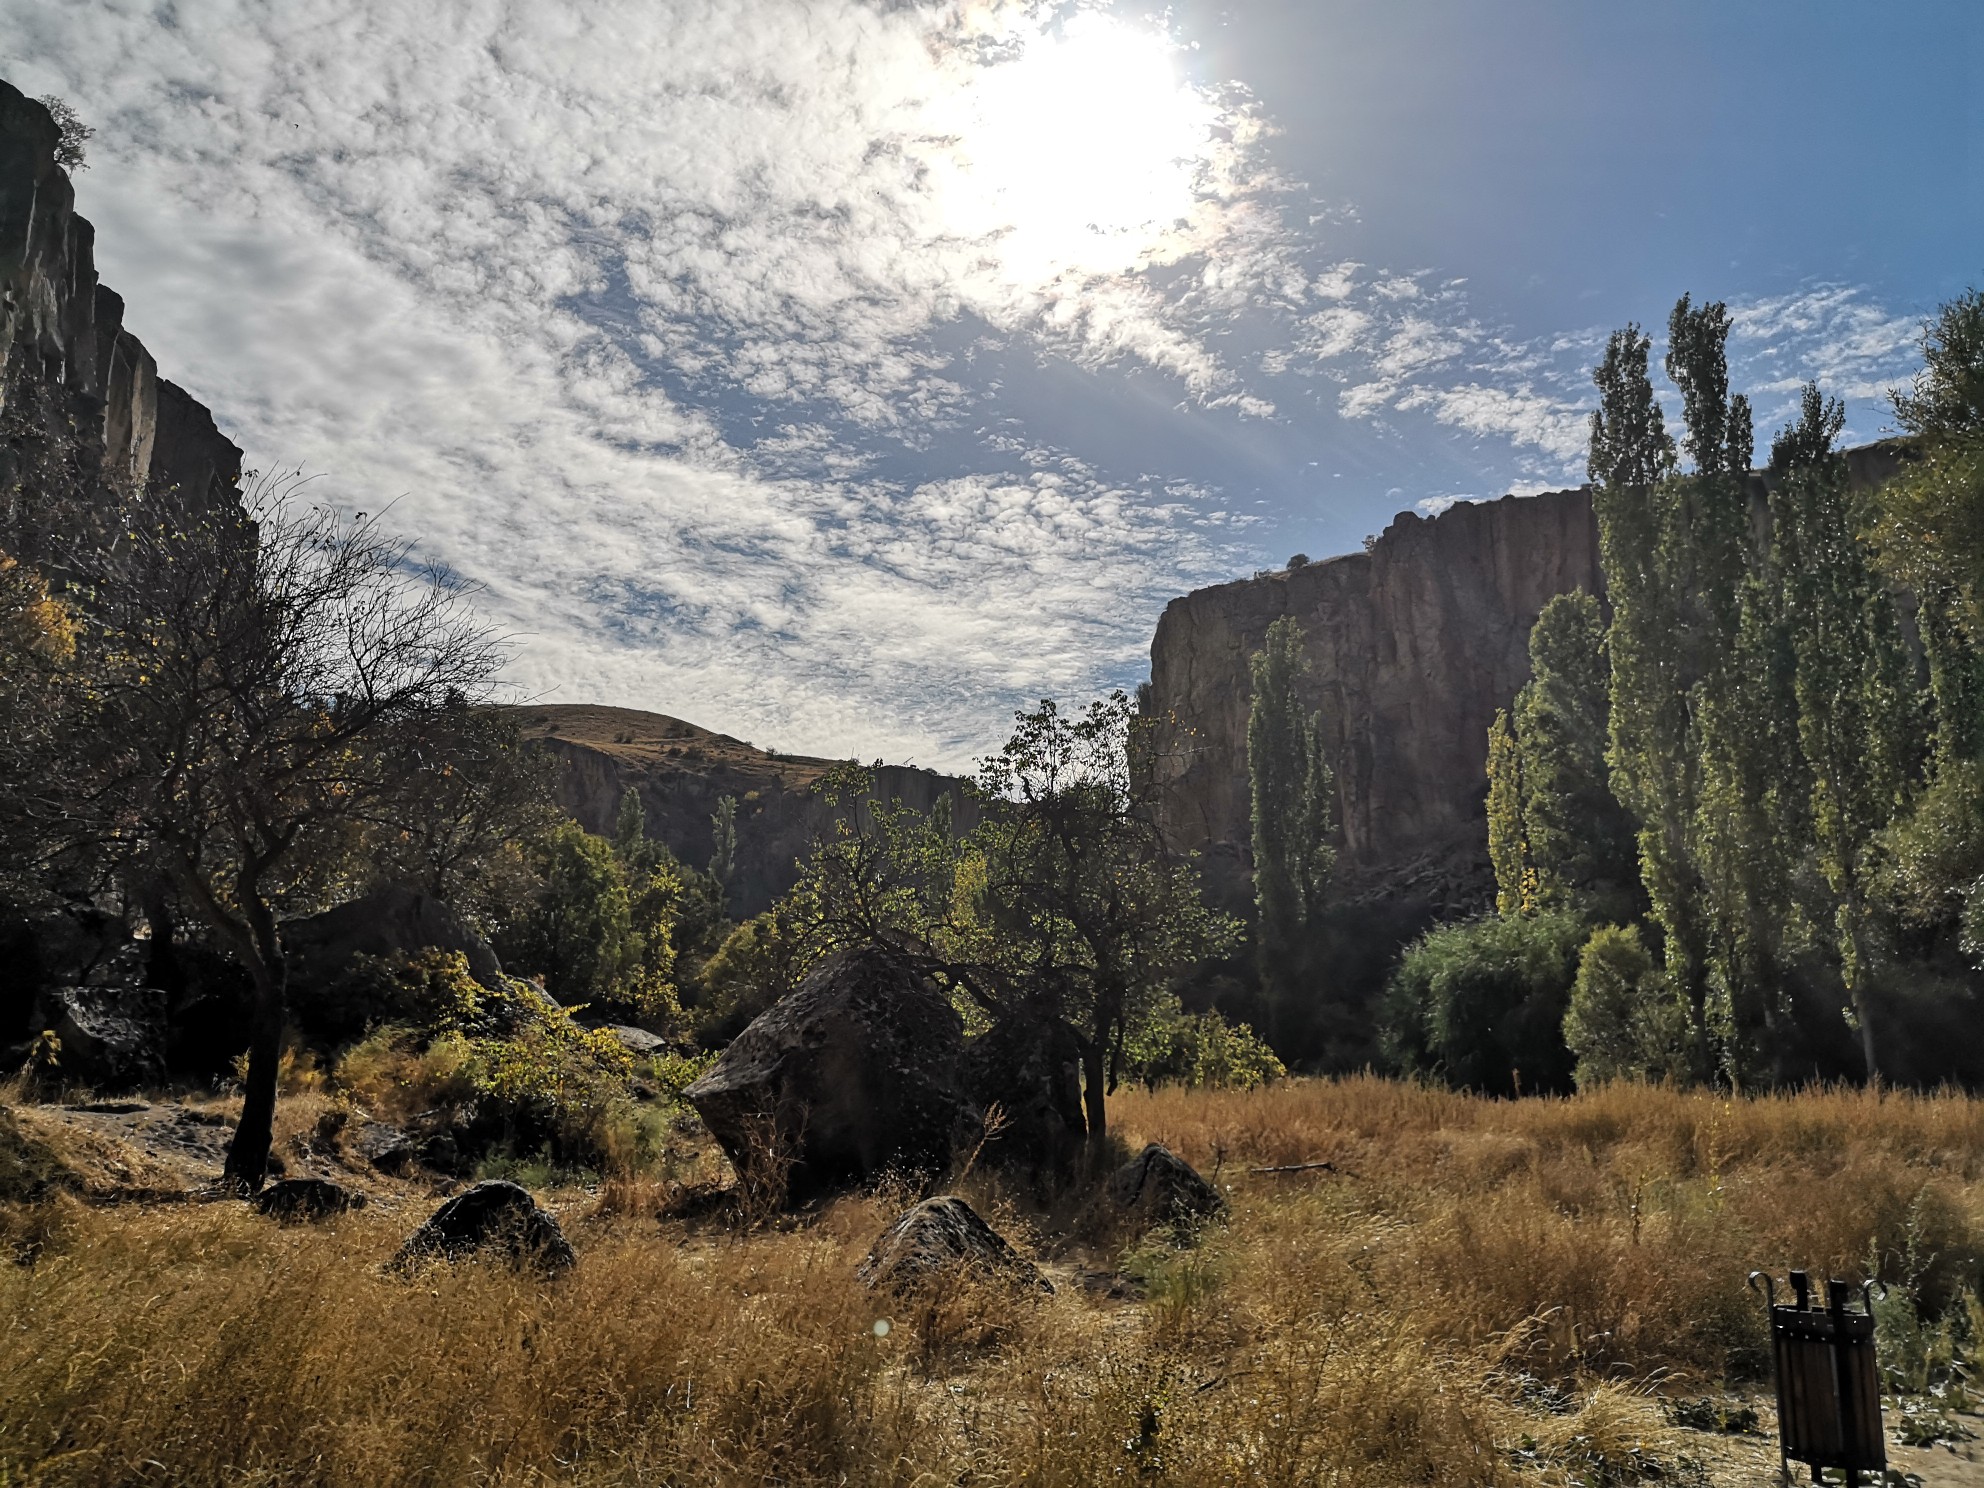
(1081, 150)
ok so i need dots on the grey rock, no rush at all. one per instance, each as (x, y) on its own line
(851, 1076)
(1158, 1187)
(388, 921)
(113, 1038)
(387, 1148)
(300, 1200)
(944, 1237)
(493, 1216)
(638, 1041)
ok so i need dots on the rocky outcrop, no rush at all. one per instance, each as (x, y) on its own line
(111, 1038)
(391, 920)
(83, 410)
(1412, 645)
(852, 1076)
(944, 1238)
(683, 772)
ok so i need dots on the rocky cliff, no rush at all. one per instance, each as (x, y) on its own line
(683, 772)
(1413, 645)
(82, 407)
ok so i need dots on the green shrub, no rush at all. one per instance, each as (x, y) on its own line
(509, 1067)
(1623, 1022)
(1482, 1002)
(1200, 1050)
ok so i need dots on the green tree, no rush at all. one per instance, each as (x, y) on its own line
(1482, 1002)
(1556, 834)
(1623, 1022)
(1508, 848)
(1851, 689)
(1293, 798)
(723, 834)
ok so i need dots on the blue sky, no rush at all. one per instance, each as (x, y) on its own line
(845, 375)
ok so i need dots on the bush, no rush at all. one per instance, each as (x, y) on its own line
(759, 962)
(1482, 1003)
(508, 1067)
(1200, 1050)
(1623, 1022)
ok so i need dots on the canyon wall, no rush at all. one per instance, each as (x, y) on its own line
(1412, 646)
(82, 407)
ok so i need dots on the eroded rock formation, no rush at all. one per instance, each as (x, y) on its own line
(1413, 645)
(83, 410)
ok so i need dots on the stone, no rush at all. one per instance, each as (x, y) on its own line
(394, 920)
(1032, 1073)
(1158, 1187)
(300, 1200)
(939, 1238)
(387, 1148)
(850, 1077)
(492, 1216)
(112, 1038)
(638, 1041)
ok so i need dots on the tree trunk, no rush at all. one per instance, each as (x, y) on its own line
(1092, 1092)
(248, 1155)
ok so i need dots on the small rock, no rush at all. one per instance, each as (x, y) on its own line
(638, 1041)
(387, 1148)
(943, 1236)
(493, 1215)
(298, 1200)
(1159, 1187)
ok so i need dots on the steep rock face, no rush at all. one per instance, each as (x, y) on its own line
(683, 772)
(1412, 647)
(67, 363)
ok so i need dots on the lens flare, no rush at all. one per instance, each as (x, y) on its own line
(1078, 150)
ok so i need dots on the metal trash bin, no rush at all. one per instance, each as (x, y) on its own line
(1828, 1385)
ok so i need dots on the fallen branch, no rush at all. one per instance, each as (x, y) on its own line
(1314, 1167)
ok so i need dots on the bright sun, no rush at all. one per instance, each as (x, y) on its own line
(1080, 151)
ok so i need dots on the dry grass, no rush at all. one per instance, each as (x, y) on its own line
(1381, 1325)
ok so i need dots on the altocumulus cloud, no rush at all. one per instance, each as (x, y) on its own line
(683, 327)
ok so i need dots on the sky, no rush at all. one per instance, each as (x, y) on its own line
(844, 375)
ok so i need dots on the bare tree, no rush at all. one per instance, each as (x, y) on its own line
(260, 692)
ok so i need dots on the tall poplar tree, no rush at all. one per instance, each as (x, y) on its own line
(1293, 798)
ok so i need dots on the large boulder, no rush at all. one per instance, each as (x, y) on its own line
(1031, 1071)
(851, 1076)
(494, 1216)
(112, 1038)
(394, 920)
(943, 1238)
(1158, 1187)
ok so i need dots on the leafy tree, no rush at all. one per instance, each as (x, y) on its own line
(72, 134)
(1483, 1002)
(1293, 800)
(254, 687)
(1852, 696)
(1063, 911)
(1091, 913)
(1556, 834)
(1623, 1022)
(597, 931)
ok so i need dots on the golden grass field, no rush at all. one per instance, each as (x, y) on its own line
(1484, 1292)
